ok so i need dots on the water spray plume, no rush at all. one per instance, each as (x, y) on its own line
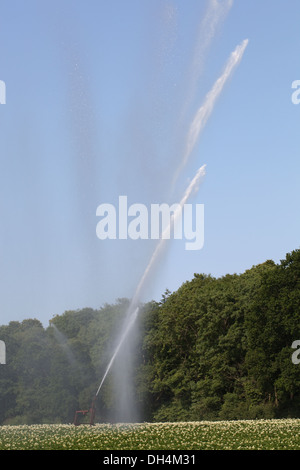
(205, 111)
(132, 319)
(133, 309)
(195, 129)
(192, 187)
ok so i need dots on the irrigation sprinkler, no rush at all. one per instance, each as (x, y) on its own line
(82, 413)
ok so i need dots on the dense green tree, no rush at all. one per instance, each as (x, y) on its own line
(217, 348)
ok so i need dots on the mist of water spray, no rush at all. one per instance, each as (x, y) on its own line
(63, 342)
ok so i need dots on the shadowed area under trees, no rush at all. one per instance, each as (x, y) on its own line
(217, 348)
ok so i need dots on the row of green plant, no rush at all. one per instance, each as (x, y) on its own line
(222, 435)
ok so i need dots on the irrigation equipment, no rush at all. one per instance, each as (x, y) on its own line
(82, 413)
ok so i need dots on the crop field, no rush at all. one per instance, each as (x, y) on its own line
(205, 435)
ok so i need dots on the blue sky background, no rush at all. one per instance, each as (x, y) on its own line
(99, 99)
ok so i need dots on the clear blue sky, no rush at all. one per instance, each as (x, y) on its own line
(99, 98)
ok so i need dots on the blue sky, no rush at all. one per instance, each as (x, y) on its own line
(99, 98)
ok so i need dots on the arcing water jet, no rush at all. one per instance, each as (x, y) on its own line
(131, 319)
(133, 309)
(205, 111)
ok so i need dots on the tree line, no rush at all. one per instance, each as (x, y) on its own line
(217, 348)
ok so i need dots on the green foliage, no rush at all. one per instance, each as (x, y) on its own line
(221, 348)
(215, 349)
